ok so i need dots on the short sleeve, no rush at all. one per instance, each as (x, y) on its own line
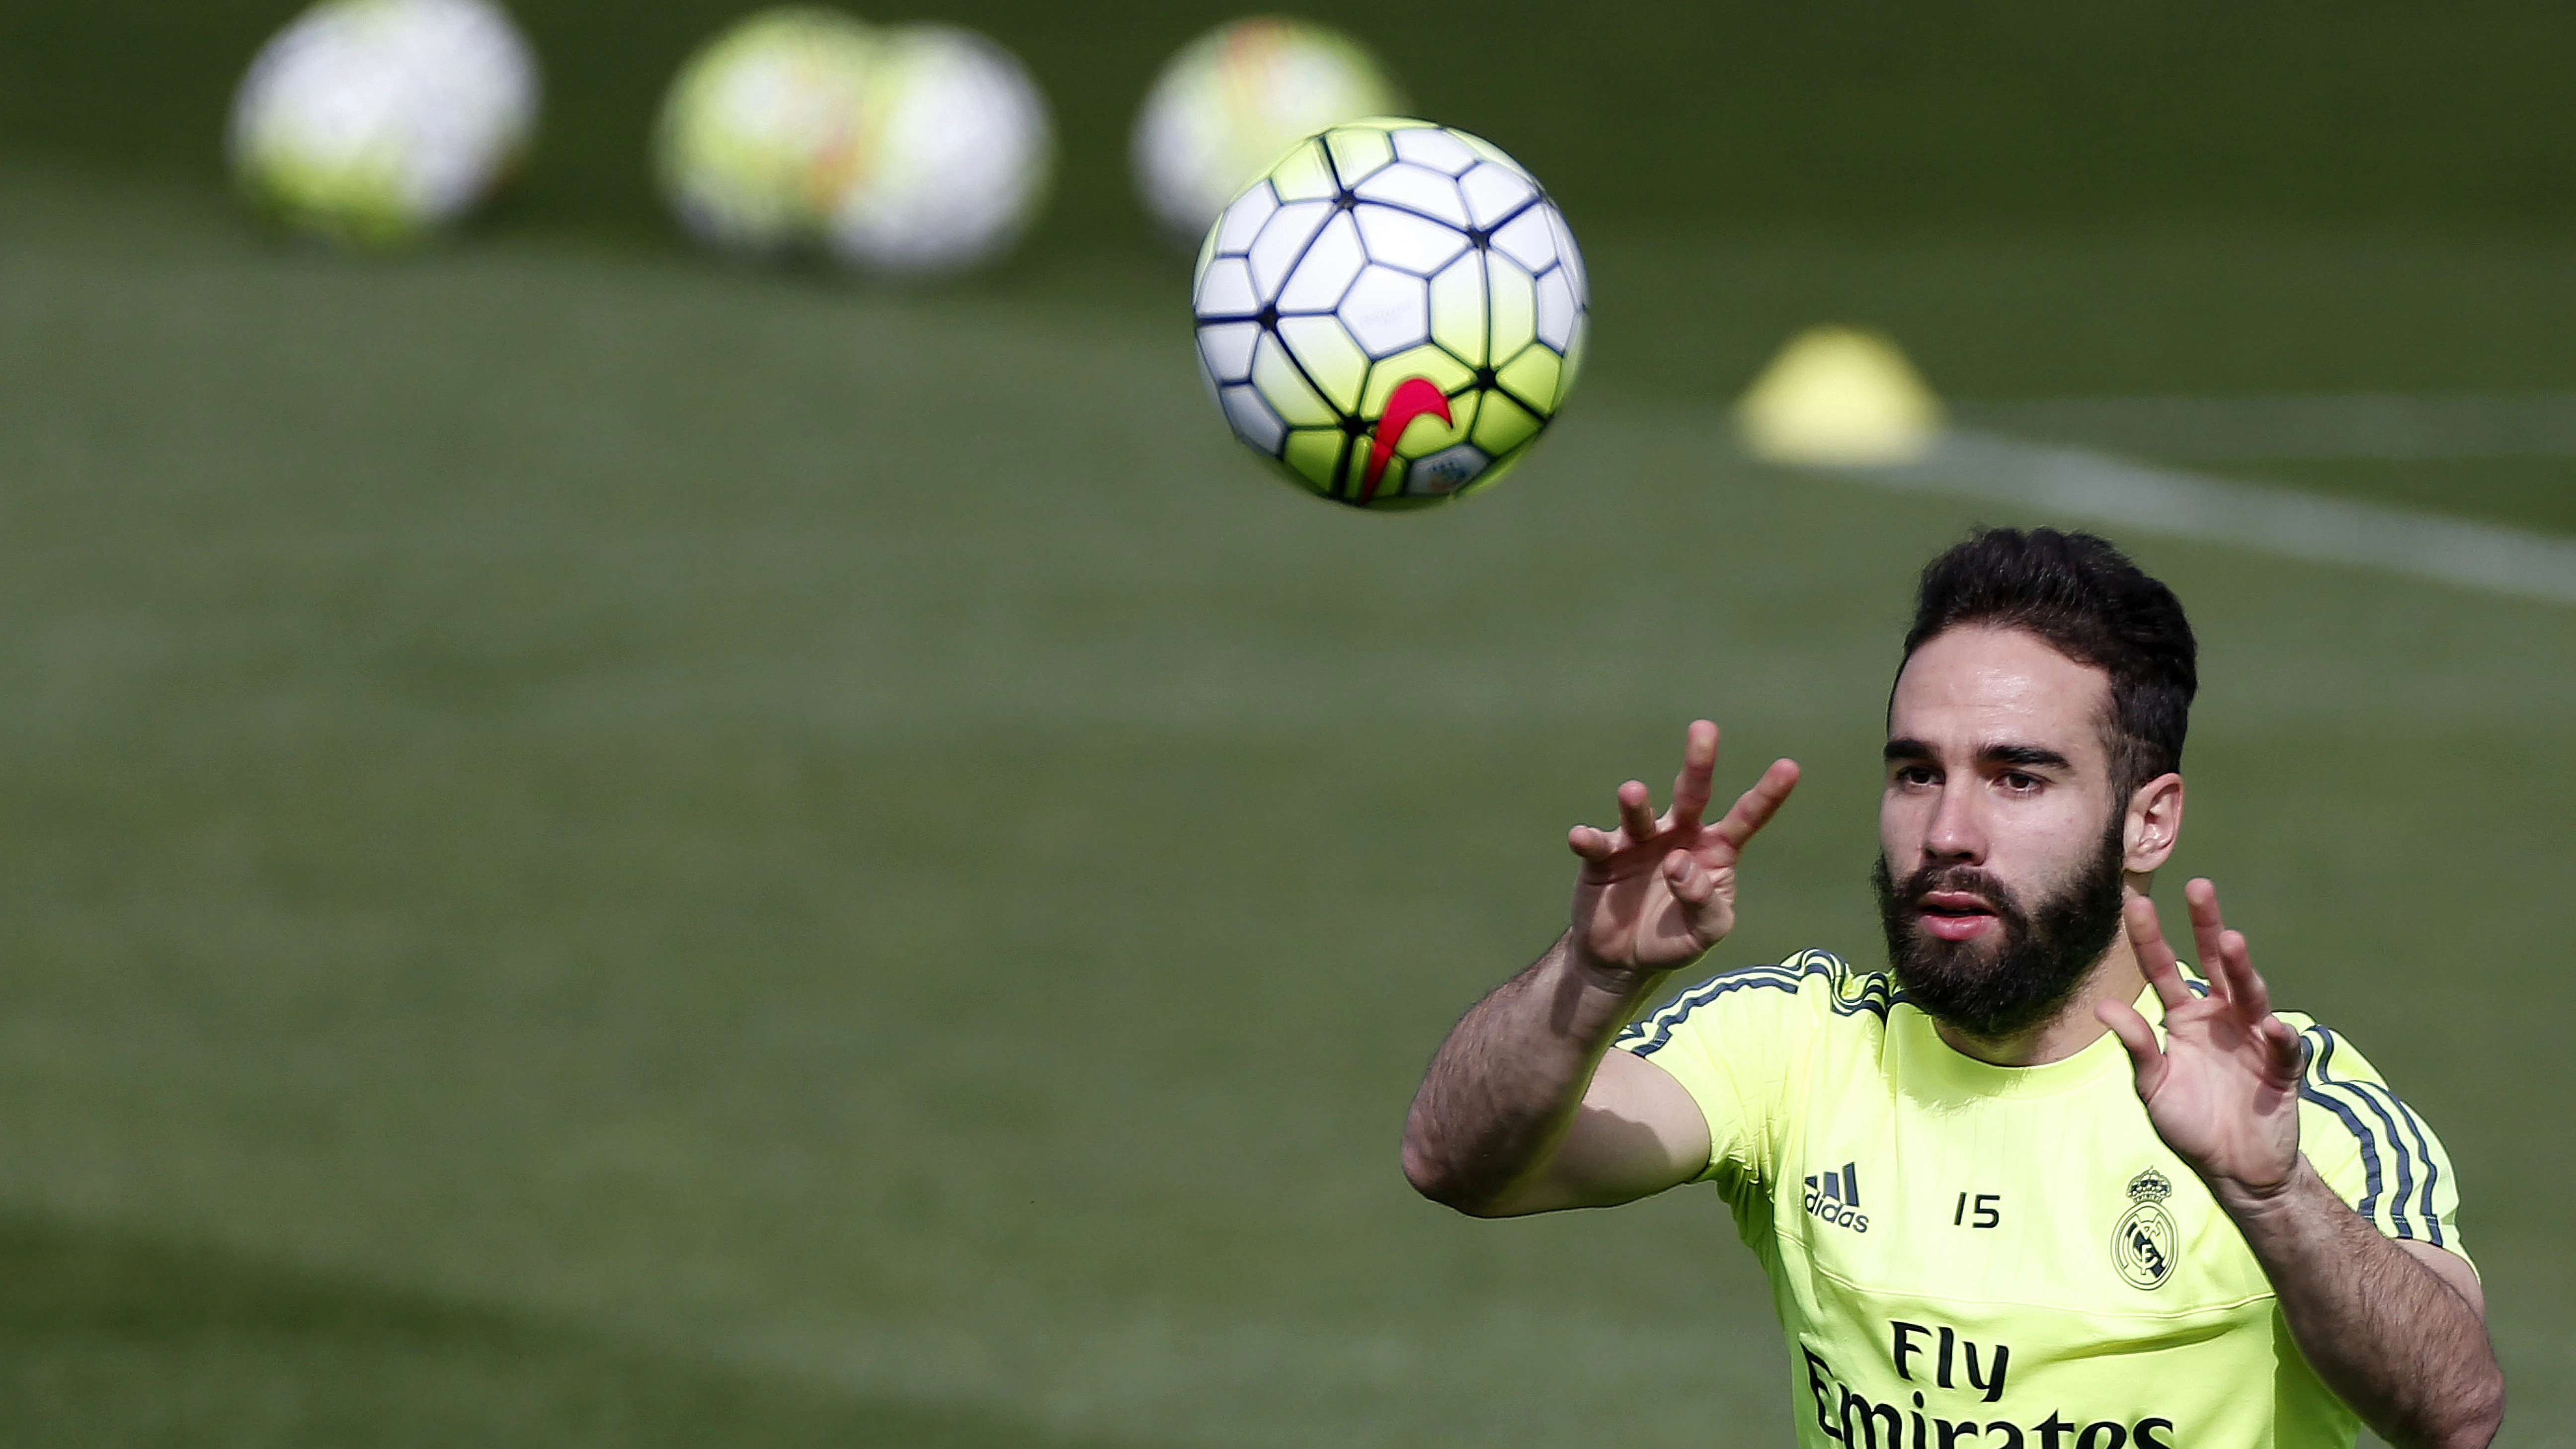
(1733, 1042)
(2372, 1148)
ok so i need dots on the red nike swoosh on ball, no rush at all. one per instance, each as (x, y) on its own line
(1411, 399)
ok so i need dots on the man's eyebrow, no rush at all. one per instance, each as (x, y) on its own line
(1908, 748)
(2023, 755)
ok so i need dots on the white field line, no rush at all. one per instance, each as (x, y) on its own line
(2080, 483)
(2372, 426)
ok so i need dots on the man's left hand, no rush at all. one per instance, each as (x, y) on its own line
(2223, 1088)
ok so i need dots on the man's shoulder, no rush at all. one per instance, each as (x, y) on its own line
(2369, 1143)
(1813, 985)
(2328, 1058)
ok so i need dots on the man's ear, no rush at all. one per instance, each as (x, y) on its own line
(2154, 824)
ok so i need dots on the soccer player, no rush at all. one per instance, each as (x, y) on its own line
(2037, 1186)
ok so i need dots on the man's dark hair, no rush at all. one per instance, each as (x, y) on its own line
(2092, 605)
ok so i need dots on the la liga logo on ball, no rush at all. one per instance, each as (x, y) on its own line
(1393, 313)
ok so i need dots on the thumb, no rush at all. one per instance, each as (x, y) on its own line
(2140, 1038)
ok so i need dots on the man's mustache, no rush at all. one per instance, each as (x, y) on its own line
(1964, 880)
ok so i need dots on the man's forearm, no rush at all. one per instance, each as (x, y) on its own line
(2404, 1348)
(1506, 1083)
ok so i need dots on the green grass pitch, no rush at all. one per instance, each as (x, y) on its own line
(598, 850)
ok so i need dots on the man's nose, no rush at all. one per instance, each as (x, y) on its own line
(1954, 835)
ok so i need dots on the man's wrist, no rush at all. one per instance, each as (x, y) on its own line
(2256, 1205)
(1613, 978)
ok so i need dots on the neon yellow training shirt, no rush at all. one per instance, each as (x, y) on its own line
(1966, 1256)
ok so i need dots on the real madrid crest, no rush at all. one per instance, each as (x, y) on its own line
(2146, 1243)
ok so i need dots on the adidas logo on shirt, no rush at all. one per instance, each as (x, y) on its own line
(1834, 1197)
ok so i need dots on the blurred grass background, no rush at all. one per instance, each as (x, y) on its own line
(601, 849)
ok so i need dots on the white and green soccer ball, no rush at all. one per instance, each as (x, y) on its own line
(954, 156)
(375, 121)
(903, 149)
(760, 130)
(1393, 314)
(1228, 103)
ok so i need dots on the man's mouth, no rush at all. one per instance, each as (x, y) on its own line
(1954, 915)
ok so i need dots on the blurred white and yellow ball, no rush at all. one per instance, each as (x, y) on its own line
(902, 149)
(955, 156)
(760, 129)
(1230, 102)
(376, 121)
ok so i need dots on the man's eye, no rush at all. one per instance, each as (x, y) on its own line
(1915, 775)
(2017, 781)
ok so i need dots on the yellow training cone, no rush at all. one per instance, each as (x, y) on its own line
(1839, 397)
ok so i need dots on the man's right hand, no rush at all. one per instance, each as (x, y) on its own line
(1655, 894)
(1521, 1112)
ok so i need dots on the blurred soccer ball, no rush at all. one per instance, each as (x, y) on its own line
(1393, 313)
(373, 121)
(953, 158)
(914, 148)
(760, 130)
(1232, 100)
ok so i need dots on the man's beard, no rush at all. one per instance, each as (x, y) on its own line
(2018, 974)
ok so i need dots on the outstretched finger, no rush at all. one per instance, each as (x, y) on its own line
(2288, 1055)
(1755, 807)
(2155, 958)
(2208, 933)
(1699, 766)
(1589, 843)
(2144, 1054)
(2246, 986)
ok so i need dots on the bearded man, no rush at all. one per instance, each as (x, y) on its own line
(2038, 1184)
